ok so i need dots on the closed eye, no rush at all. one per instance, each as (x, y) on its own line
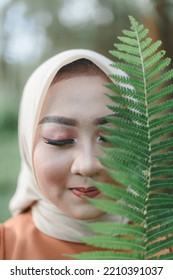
(59, 143)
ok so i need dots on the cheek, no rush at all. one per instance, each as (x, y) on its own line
(50, 168)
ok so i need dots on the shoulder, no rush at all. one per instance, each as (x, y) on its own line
(23, 241)
(10, 232)
(15, 226)
(16, 222)
(14, 232)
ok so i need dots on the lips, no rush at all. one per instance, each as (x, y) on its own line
(89, 192)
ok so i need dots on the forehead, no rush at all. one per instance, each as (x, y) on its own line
(77, 95)
(78, 88)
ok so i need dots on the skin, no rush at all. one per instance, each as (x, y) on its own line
(58, 169)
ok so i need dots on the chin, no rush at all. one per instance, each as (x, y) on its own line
(88, 215)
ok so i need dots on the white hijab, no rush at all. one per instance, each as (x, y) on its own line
(48, 218)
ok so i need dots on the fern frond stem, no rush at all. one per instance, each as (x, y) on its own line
(147, 172)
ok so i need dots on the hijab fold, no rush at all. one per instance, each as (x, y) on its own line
(46, 216)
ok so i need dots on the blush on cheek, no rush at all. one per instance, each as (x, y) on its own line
(49, 174)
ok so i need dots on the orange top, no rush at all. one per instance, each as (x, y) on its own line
(21, 240)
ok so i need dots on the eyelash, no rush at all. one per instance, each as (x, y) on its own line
(62, 143)
(59, 143)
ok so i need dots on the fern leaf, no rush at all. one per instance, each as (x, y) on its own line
(161, 184)
(129, 33)
(163, 158)
(118, 193)
(161, 80)
(151, 50)
(166, 106)
(161, 218)
(160, 232)
(134, 155)
(141, 32)
(133, 181)
(127, 57)
(114, 243)
(162, 145)
(135, 71)
(126, 40)
(166, 256)
(106, 255)
(161, 171)
(153, 60)
(159, 199)
(158, 68)
(166, 91)
(160, 120)
(161, 245)
(145, 43)
(167, 129)
(111, 207)
(117, 229)
(139, 155)
(127, 49)
(127, 92)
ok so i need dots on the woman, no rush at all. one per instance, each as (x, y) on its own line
(62, 107)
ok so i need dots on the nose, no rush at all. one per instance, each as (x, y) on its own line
(86, 164)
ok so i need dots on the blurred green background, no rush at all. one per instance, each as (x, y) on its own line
(32, 31)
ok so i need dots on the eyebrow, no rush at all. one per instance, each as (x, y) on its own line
(72, 122)
(59, 120)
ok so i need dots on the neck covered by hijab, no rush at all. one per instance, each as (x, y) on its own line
(48, 218)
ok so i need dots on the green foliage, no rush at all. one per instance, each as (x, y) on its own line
(8, 119)
(9, 169)
(140, 155)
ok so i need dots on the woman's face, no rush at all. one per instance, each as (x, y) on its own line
(66, 144)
